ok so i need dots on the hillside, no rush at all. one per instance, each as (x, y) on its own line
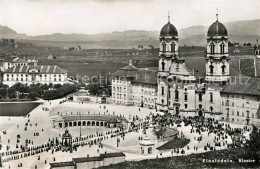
(192, 161)
(239, 31)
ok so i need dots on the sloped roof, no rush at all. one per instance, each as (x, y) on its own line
(113, 120)
(86, 159)
(109, 155)
(19, 60)
(245, 86)
(124, 73)
(198, 64)
(247, 67)
(146, 76)
(9, 58)
(86, 117)
(129, 68)
(62, 164)
(45, 69)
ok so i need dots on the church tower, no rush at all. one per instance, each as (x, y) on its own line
(168, 51)
(217, 57)
(257, 49)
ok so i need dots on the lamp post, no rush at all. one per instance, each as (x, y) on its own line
(117, 123)
(80, 125)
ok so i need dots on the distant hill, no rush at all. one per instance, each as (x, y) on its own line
(239, 31)
(6, 32)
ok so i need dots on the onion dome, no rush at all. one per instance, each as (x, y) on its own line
(217, 29)
(169, 30)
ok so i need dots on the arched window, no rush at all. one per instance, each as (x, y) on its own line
(222, 48)
(211, 97)
(162, 90)
(211, 69)
(164, 47)
(200, 97)
(212, 48)
(176, 95)
(186, 106)
(247, 113)
(185, 97)
(163, 65)
(173, 47)
(211, 108)
(162, 101)
(223, 68)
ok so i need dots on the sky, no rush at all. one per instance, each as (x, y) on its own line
(40, 17)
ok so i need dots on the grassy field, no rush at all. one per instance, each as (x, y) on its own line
(16, 109)
(175, 143)
(91, 62)
(191, 161)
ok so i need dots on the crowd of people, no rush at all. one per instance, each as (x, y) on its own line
(221, 131)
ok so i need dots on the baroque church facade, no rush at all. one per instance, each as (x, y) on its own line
(179, 89)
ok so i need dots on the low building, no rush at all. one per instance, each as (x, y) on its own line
(63, 165)
(147, 146)
(30, 74)
(64, 121)
(133, 86)
(51, 57)
(240, 102)
(112, 158)
(88, 162)
(10, 61)
(91, 162)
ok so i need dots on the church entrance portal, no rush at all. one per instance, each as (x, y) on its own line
(200, 113)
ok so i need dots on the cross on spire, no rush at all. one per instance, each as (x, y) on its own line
(168, 16)
(217, 13)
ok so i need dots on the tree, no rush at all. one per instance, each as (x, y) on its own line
(33, 95)
(56, 86)
(254, 144)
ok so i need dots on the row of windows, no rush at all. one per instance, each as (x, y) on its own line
(243, 97)
(21, 75)
(238, 114)
(172, 47)
(211, 69)
(222, 48)
(26, 79)
(233, 104)
(185, 95)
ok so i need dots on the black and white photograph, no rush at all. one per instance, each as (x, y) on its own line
(129, 84)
